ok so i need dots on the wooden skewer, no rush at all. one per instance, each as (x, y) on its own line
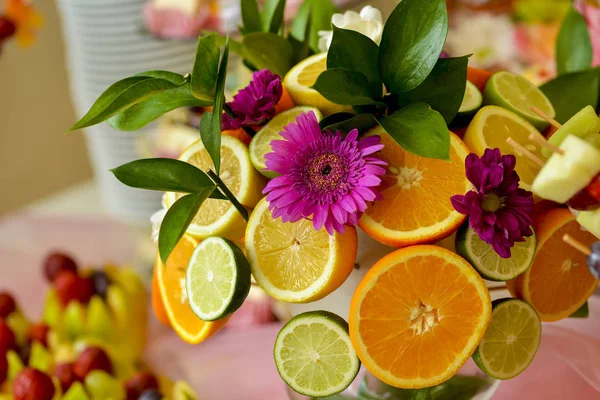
(577, 245)
(523, 151)
(546, 117)
(497, 288)
(534, 137)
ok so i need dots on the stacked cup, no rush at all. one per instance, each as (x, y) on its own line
(105, 42)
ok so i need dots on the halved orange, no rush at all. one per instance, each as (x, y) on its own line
(171, 282)
(158, 306)
(418, 315)
(559, 282)
(416, 192)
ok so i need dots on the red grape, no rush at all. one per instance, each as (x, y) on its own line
(32, 384)
(56, 263)
(7, 304)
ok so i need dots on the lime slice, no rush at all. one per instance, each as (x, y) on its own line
(314, 355)
(516, 93)
(487, 262)
(217, 279)
(511, 340)
(583, 124)
(472, 100)
(261, 142)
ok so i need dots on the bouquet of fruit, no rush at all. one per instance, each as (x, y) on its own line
(89, 343)
(350, 157)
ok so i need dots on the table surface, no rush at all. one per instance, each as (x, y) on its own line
(567, 364)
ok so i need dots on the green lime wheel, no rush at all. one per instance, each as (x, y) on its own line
(472, 100)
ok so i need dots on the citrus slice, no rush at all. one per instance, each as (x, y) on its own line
(314, 355)
(219, 217)
(410, 183)
(261, 143)
(172, 285)
(471, 101)
(418, 315)
(293, 262)
(217, 278)
(160, 312)
(519, 95)
(559, 282)
(490, 128)
(302, 77)
(487, 262)
(511, 340)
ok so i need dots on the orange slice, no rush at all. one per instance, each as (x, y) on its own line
(160, 312)
(416, 192)
(418, 315)
(559, 282)
(171, 282)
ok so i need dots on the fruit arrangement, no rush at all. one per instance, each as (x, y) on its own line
(89, 343)
(351, 172)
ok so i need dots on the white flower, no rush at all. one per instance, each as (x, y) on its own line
(369, 22)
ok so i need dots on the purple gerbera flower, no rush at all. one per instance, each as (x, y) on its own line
(323, 175)
(499, 211)
(255, 104)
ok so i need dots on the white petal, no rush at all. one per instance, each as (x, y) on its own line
(369, 13)
(325, 38)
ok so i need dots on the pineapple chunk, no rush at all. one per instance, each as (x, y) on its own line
(582, 124)
(590, 220)
(565, 175)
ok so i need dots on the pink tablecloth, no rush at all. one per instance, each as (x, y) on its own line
(239, 365)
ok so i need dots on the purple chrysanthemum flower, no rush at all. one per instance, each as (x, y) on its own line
(323, 175)
(255, 104)
(499, 211)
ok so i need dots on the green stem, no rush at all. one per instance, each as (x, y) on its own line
(230, 112)
(223, 187)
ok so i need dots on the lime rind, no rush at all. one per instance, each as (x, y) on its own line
(261, 142)
(513, 323)
(217, 279)
(314, 355)
(472, 100)
(489, 264)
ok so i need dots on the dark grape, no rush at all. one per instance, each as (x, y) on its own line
(151, 394)
(65, 375)
(593, 261)
(72, 287)
(3, 368)
(56, 263)
(101, 282)
(32, 384)
(7, 28)
(139, 383)
(8, 340)
(7, 304)
(91, 359)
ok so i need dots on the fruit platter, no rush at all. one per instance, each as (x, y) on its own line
(409, 211)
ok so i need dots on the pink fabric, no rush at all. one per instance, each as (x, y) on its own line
(591, 12)
(239, 364)
(174, 24)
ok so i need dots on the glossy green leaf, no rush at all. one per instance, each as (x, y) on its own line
(250, 16)
(206, 66)
(573, 46)
(272, 15)
(177, 219)
(356, 52)
(362, 122)
(582, 312)
(322, 11)
(300, 50)
(143, 113)
(413, 38)
(173, 77)
(301, 22)
(164, 174)
(569, 93)
(268, 51)
(345, 87)
(335, 119)
(420, 130)
(443, 89)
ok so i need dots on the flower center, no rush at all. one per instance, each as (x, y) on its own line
(491, 202)
(326, 172)
(423, 318)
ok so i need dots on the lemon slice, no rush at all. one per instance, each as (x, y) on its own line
(261, 142)
(302, 77)
(219, 217)
(490, 128)
(293, 262)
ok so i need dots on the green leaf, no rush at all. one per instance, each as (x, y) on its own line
(141, 114)
(164, 174)
(206, 66)
(356, 52)
(345, 87)
(362, 122)
(120, 96)
(301, 21)
(443, 89)
(573, 45)
(268, 51)
(420, 130)
(569, 93)
(582, 312)
(300, 50)
(175, 78)
(177, 219)
(272, 15)
(413, 38)
(322, 11)
(335, 119)
(250, 16)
